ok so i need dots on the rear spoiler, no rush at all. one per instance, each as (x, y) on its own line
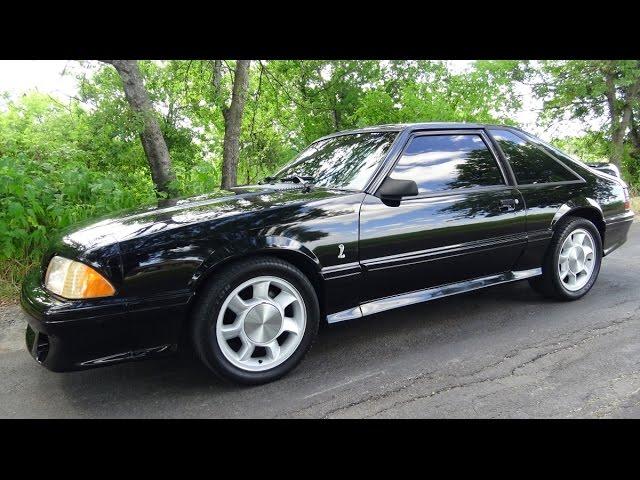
(608, 168)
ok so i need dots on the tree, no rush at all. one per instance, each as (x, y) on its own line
(634, 133)
(233, 116)
(422, 91)
(586, 90)
(153, 141)
(323, 95)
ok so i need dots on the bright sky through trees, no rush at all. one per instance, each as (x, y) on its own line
(47, 76)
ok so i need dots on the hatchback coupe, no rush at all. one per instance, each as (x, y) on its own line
(361, 222)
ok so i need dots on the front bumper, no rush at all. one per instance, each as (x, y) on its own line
(65, 335)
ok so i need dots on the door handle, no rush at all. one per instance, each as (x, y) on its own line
(508, 205)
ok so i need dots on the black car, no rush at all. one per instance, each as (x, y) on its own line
(360, 222)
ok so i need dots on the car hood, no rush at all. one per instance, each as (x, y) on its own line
(175, 213)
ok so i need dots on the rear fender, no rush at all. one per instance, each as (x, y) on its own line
(573, 206)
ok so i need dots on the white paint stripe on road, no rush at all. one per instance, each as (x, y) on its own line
(355, 379)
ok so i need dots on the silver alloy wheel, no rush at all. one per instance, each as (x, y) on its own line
(262, 328)
(577, 259)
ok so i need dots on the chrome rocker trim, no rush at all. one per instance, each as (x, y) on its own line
(419, 296)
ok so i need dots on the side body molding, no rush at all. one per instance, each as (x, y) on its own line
(427, 294)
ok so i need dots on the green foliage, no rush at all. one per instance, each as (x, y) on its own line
(578, 88)
(60, 165)
(428, 92)
(590, 148)
(53, 173)
(605, 95)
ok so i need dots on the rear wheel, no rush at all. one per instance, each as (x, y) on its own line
(572, 262)
(256, 321)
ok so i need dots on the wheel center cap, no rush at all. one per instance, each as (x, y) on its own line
(576, 259)
(262, 323)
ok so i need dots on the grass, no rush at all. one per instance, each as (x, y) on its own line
(635, 205)
(11, 274)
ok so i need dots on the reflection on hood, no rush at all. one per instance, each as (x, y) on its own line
(168, 214)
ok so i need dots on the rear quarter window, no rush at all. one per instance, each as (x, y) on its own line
(530, 164)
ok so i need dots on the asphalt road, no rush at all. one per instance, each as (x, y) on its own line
(498, 352)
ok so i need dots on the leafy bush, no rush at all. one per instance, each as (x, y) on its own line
(37, 198)
(63, 164)
(58, 167)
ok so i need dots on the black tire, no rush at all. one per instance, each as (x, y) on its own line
(549, 283)
(212, 297)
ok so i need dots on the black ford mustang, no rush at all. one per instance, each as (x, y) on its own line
(359, 223)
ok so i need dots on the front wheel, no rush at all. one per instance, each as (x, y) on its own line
(572, 262)
(256, 321)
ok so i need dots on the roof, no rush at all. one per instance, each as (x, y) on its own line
(397, 127)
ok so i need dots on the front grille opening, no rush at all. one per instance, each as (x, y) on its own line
(30, 338)
(41, 347)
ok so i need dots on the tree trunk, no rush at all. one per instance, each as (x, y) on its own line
(216, 76)
(153, 142)
(336, 119)
(634, 134)
(620, 117)
(233, 123)
(617, 148)
(617, 137)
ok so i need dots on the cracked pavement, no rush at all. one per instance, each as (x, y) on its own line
(500, 352)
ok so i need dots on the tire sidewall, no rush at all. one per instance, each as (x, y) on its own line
(564, 233)
(205, 329)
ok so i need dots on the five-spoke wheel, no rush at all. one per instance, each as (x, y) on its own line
(260, 323)
(256, 320)
(572, 262)
(576, 259)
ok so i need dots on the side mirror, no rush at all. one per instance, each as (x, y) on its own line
(394, 190)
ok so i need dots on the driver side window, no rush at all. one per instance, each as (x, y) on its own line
(445, 162)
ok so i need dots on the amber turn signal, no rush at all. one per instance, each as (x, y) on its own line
(75, 280)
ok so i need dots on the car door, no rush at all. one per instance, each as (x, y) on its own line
(467, 221)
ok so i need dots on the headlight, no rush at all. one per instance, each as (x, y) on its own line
(73, 280)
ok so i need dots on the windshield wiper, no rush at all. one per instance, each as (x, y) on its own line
(305, 181)
(297, 179)
(291, 178)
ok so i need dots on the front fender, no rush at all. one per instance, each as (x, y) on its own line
(238, 248)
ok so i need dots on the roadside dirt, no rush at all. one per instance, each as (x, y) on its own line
(12, 325)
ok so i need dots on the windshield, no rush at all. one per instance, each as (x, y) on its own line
(345, 162)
